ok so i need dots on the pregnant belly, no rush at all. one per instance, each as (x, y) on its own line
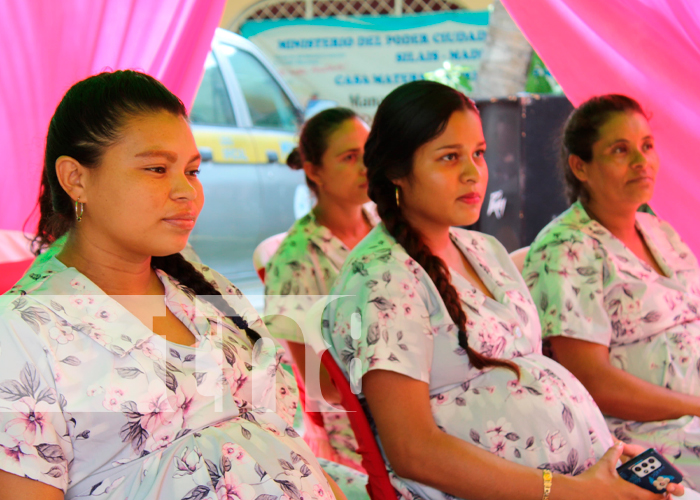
(545, 418)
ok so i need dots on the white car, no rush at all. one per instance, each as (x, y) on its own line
(245, 121)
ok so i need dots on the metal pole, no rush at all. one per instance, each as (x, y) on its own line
(398, 8)
(309, 9)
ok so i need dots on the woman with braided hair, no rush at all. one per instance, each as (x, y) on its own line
(125, 370)
(436, 327)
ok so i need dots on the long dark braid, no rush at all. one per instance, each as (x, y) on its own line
(87, 121)
(407, 118)
(182, 270)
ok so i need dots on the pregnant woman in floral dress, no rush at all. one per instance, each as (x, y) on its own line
(437, 329)
(618, 291)
(125, 371)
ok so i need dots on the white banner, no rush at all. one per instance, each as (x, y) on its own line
(357, 61)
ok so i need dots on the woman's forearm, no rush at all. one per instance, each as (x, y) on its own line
(470, 472)
(622, 395)
(618, 393)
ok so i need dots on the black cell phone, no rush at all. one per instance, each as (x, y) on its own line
(651, 471)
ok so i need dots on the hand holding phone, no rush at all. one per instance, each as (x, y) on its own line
(651, 471)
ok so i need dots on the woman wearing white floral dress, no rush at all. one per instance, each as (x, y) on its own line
(302, 270)
(618, 291)
(445, 340)
(125, 371)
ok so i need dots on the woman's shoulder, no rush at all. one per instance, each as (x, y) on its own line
(573, 225)
(375, 255)
(294, 246)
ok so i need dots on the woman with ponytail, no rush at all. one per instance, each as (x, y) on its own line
(331, 147)
(436, 327)
(125, 370)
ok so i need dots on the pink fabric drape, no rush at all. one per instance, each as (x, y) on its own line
(647, 49)
(47, 45)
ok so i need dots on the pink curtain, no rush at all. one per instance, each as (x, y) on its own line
(647, 49)
(47, 45)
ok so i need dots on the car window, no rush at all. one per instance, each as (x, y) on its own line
(268, 104)
(212, 106)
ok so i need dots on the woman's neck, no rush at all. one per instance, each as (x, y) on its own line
(346, 222)
(436, 237)
(113, 272)
(619, 220)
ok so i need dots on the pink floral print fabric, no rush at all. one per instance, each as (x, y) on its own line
(94, 403)
(546, 419)
(588, 285)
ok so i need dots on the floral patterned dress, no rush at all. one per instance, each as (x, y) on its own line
(95, 404)
(547, 419)
(588, 285)
(301, 273)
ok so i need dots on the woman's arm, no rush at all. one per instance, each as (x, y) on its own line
(13, 487)
(618, 393)
(418, 450)
(301, 353)
(337, 492)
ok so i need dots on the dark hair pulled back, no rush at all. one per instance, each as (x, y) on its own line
(582, 130)
(409, 117)
(313, 140)
(89, 119)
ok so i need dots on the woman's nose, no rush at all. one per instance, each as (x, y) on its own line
(470, 172)
(182, 188)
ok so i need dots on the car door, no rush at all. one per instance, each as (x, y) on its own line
(228, 227)
(275, 120)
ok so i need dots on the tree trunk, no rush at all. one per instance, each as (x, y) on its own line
(506, 59)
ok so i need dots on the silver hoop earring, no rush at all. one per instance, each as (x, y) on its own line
(79, 207)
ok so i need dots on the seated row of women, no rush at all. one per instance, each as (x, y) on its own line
(128, 372)
(447, 320)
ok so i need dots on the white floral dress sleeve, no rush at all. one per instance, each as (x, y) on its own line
(383, 323)
(566, 273)
(35, 437)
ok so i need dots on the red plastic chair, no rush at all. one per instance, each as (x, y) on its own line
(379, 486)
(11, 272)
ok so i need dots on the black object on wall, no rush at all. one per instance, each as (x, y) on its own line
(525, 190)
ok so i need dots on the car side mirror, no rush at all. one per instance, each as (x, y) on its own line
(206, 154)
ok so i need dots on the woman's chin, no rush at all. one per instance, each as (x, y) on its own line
(170, 249)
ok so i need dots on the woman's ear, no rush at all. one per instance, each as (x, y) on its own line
(311, 172)
(71, 176)
(578, 167)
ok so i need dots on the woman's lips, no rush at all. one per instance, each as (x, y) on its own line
(471, 198)
(642, 179)
(181, 223)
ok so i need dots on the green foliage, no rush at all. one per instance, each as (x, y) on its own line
(452, 75)
(540, 80)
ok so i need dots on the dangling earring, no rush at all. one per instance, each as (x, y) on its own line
(397, 197)
(79, 207)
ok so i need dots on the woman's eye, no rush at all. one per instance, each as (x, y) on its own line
(450, 157)
(479, 153)
(648, 146)
(350, 157)
(620, 149)
(193, 173)
(158, 170)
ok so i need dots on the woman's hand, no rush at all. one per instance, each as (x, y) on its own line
(629, 451)
(603, 481)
